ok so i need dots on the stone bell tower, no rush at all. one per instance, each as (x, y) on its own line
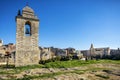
(27, 51)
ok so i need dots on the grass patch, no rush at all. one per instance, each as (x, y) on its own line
(16, 70)
(56, 64)
(23, 68)
(29, 67)
(75, 63)
(48, 75)
(52, 75)
(6, 67)
(64, 64)
(109, 61)
(67, 64)
(12, 71)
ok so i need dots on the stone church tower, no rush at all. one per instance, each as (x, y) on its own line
(92, 51)
(27, 51)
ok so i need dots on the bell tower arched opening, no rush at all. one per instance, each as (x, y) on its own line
(27, 29)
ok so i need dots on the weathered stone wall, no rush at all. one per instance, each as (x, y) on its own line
(27, 51)
(45, 54)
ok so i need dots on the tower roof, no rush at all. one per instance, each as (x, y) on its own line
(91, 46)
(28, 9)
(28, 12)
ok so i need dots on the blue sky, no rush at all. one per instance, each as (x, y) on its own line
(67, 23)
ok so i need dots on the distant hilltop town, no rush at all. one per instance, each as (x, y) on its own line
(47, 53)
(27, 52)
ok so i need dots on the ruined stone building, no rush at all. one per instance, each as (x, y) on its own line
(45, 53)
(115, 53)
(96, 51)
(27, 51)
(11, 48)
(5, 50)
(51, 52)
(99, 51)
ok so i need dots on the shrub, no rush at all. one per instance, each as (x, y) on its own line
(42, 62)
(58, 58)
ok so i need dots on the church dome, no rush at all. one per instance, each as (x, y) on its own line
(28, 9)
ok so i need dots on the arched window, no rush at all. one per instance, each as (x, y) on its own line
(27, 29)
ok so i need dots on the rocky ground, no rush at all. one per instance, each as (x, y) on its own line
(105, 71)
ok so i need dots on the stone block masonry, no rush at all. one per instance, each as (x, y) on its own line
(27, 51)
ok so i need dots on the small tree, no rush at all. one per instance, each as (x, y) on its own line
(7, 55)
(58, 58)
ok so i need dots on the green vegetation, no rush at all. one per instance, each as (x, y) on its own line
(46, 75)
(29, 67)
(63, 64)
(75, 63)
(59, 64)
(52, 75)
(49, 75)
(66, 64)
(56, 64)
(16, 70)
